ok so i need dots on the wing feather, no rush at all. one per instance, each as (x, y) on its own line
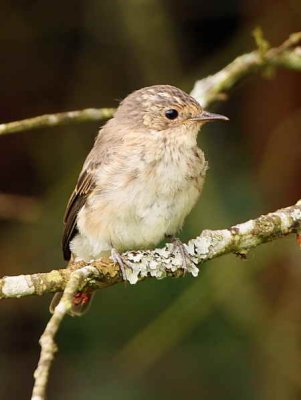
(84, 186)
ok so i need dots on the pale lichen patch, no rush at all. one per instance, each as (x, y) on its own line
(285, 220)
(135, 257)
(193, 269)
(296, 214)
(220, 241)
(17, 286)
(157, 264)
(246, 227)
(202, 244)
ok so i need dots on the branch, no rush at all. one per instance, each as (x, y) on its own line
(206, 91)
(214, 87)
(161, 263)
(48, 346)
(50, 120)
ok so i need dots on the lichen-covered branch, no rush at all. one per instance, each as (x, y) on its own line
(161, 263)
(206, 91)
(48, 346)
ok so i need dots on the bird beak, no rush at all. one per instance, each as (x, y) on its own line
(206, 116)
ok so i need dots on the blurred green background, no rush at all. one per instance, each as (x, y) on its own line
(235, 332)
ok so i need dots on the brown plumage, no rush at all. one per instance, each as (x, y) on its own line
(141, 178)
(84, 186)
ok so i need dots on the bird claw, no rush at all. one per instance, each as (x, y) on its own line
(118, 259)
(186, 257)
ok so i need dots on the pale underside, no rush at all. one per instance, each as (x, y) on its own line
(144, 189)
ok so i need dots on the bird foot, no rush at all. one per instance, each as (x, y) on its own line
(118, 259)
(186, 258)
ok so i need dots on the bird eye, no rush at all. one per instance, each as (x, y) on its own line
(171, 114)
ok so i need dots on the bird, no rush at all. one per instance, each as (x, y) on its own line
(140, 180)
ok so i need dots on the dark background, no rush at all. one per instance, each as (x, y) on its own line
(234, 333)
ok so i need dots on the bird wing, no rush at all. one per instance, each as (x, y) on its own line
(84, 186)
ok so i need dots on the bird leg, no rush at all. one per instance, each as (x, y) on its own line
(118, 259)
(178, 245)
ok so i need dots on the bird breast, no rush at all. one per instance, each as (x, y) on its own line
(142, 197)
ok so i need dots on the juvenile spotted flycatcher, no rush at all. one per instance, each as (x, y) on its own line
(141, 179)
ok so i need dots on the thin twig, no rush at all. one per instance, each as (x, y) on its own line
(214, 87)
(206, 91)
(48, 345)
(51, 120)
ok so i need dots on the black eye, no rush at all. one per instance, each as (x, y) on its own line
(171, 114)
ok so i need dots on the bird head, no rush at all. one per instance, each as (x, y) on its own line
(163, 108)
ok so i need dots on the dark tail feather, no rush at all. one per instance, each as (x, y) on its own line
(80, 303)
